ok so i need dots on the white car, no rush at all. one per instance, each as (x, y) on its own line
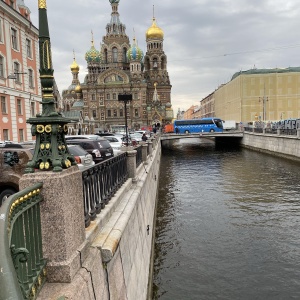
(83, 159)
(115, 142)
(83, 136)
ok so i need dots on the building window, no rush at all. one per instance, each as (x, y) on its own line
(115, 113)
(105, 56)
(28, 48)
(21, 135)
(136, 112)
(1, 30)
(30, 78)
(3, 105)
(121, 112)
(19, 106)
(17, 71)
(32, 109)
(14, 40)
(94, 113)
(114, 96)
(1, 66)
(5, 135)
(115, 54)
(107, 96)
(108, 113)
(93, 97)
(124, 55)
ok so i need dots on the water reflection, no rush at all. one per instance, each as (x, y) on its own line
(227, 225)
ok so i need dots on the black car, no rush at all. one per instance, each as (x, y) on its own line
(100, 148)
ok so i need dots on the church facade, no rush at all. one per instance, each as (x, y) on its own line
(120, 68)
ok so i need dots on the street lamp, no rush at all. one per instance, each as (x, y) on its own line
(125, 98)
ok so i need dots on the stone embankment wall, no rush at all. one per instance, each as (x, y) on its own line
(117, 254)
(280, 145)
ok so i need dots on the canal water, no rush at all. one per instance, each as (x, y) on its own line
(228, 225)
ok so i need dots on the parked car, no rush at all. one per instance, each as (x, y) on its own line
(11, 145)
(83, 159)
(86, 136)
(141, 132)
(136, 136)
(116, 142)
(104, 133)
(13, 162)
(100, 148)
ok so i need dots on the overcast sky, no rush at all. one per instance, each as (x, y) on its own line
(206, 41)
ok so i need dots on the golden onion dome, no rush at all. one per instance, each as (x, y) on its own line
(74, 67)
(78, 88)
(154, 32)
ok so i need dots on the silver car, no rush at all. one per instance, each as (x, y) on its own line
(83, 159)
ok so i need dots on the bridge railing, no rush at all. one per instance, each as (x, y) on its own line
(23, 268)
(100, 183)
(278, 131)
(139, 156)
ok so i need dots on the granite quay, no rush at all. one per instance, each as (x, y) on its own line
(96, 229)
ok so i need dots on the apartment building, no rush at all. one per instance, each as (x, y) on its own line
(20, 90)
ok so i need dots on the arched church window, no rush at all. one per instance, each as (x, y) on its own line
(155, 65)
(105, 56)
(124, 55)
(115, 54)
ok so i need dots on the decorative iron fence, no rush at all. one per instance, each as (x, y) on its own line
(139, 157)
(271, 131)
(288, 131)
(23, 268)
(100, 183)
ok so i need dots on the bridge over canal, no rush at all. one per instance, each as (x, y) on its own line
(227, 137)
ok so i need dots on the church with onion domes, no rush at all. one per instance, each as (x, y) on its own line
(119, 67)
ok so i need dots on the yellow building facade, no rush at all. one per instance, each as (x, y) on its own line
(259, 95)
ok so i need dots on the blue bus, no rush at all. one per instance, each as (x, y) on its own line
(198, 125)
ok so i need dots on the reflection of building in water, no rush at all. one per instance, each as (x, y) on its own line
(120, 68)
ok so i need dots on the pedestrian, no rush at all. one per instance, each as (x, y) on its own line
(144, 137)
(176, 130)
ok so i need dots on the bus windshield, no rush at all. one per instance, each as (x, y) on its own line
(198, 125)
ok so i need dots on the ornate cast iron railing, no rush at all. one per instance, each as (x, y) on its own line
(22, 266)
(139, 157)
(100, 183)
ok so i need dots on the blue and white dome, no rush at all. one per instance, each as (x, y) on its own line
(135, 53)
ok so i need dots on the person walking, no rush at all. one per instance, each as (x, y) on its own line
(144, 137)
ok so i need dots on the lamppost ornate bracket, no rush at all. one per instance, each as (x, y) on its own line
(51, 152)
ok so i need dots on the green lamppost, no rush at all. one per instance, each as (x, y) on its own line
(51, 152)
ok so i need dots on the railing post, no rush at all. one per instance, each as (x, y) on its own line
(131, 164)
(278, 131)
(144, 152)
(298, 133)
(154, 142)
(264, 131)
(150, 147)
(63, 228)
